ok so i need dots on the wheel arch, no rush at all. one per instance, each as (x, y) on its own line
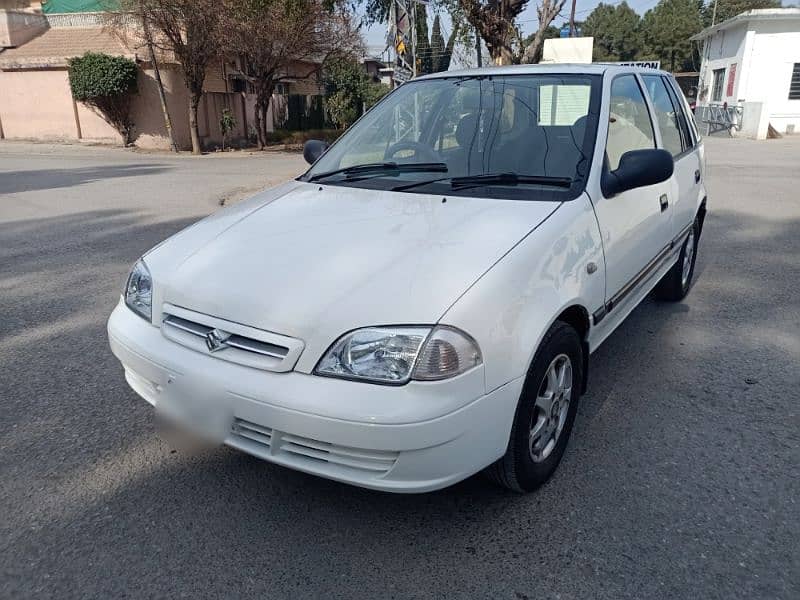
(577, 317)
(701, 214)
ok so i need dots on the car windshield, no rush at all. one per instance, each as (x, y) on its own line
(495, 136)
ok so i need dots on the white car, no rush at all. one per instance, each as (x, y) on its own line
(422, 303)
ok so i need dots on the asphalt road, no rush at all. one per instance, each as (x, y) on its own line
(681, 480)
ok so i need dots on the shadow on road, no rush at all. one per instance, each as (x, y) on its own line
(44, 179)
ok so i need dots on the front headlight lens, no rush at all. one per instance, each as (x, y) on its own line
(398, 354)
(375, 353)
(139, 291)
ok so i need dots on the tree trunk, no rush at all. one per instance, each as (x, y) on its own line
(259, 137)
(159, 85)
(264, 130)
(502, 56)
(194, 101)
(263, 99)
(533, 53)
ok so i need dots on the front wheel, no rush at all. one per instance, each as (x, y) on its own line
(545, 413)
(675, 284)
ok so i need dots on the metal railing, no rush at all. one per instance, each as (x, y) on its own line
(719, 117)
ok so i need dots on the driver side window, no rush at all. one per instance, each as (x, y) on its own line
(629, 126)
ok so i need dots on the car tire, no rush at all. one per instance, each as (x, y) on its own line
(674, 286)
(531, 457)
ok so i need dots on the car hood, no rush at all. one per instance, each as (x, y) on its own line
(314, 262)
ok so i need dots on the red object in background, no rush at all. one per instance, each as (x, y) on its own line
(731, 80)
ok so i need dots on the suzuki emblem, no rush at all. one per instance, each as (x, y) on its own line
(215, 340)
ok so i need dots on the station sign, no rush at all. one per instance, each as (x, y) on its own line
(645, 64)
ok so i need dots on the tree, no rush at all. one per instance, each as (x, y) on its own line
(433, 56)
(422, 53)
(730, 8)
(341, 109)
(494, 20)
(616, 32)
(348, 89)
(106, 83)
(666, 29)
(186, 29)
(282, 40)
(551, 32)
(547, 11)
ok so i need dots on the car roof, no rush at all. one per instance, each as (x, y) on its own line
(545, 69)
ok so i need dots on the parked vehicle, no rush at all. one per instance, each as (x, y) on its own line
(421, 305)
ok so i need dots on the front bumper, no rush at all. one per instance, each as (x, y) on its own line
(413, 438)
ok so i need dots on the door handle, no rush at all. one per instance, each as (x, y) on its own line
(664, 202)
(697, 176)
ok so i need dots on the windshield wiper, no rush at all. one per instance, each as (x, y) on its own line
(382, 168)
(507, 179)
(490, 179)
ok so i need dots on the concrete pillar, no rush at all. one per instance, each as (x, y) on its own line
(755, 120)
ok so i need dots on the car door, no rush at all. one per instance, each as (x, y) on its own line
(676, 137)
(635, 224)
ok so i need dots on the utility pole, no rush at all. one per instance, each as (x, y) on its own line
(714, 14)
(157, 74)
(478, 47)
(572, 20)
(414, 38)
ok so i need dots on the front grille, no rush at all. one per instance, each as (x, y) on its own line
(275, 443)
(236, 343)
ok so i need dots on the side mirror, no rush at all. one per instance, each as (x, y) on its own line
(313, 149)
(638, 168)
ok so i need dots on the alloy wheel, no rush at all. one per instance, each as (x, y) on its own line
(550, 408)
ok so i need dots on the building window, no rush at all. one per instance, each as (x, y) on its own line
(794, 85)
(716, 88)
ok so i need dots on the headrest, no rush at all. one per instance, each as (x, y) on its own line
(465, 130)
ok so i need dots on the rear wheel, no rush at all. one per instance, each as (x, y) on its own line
(545, 412)
(676, 283)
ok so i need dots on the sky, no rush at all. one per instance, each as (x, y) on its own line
(375, 36)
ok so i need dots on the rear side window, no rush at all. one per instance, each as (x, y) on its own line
(666, 114)
(629, 126)
(688, 131)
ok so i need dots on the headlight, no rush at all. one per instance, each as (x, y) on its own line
(398, 354)
(139, 291)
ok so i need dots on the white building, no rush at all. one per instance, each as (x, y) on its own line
(751, 62)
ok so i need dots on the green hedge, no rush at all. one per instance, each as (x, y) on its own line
(96, 75)
(106, 83)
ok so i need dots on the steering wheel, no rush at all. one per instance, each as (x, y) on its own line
(421, 151)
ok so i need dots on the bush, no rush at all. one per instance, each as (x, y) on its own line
(227, 123)
(342, 109)
(349, 91)
(106, 83)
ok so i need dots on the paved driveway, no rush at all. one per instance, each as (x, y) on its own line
(682, 478)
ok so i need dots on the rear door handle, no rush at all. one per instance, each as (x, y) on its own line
(664, 202)
(697, 176)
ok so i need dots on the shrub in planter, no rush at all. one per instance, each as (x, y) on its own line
(107, 84)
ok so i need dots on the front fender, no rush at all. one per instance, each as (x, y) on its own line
(510, 308)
